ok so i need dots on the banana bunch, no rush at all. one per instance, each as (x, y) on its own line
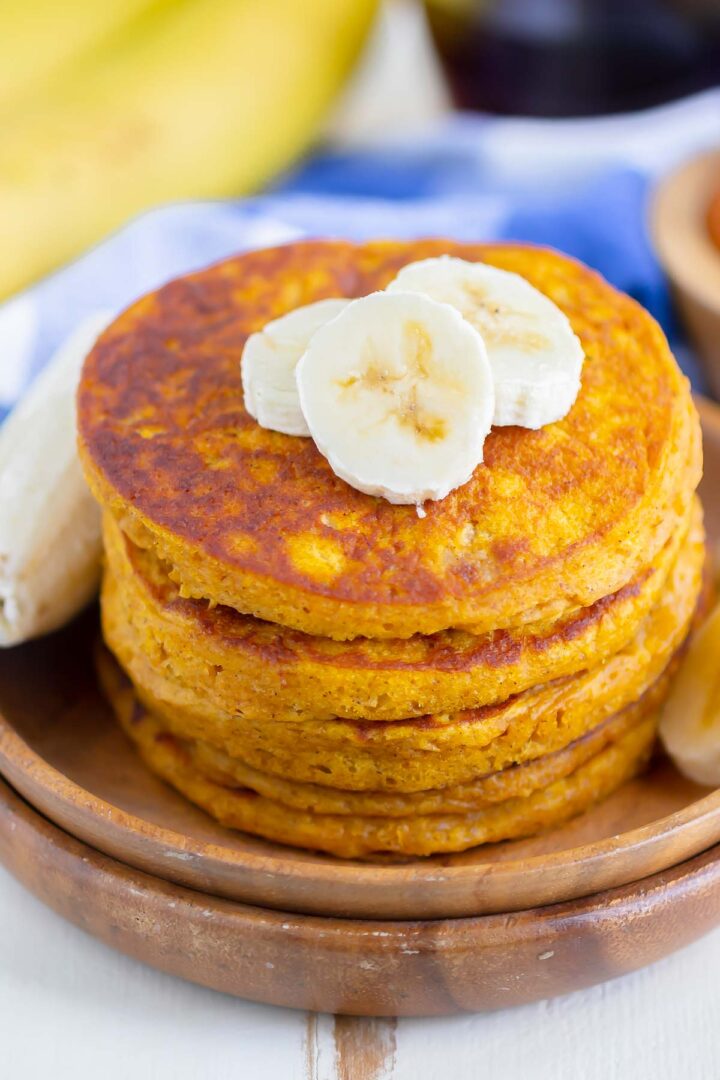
(50, 544)
(109, 108)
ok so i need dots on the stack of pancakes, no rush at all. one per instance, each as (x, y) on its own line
(322, 668)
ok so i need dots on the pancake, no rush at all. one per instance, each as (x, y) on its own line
(322, 668)
(554, 521)
(438, 750)
(354, 835)
(516, 781)
(267, 671)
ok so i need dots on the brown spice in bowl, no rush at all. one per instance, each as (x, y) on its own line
(713, 219)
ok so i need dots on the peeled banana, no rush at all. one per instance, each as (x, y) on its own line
(398, 395)
(268, 366)
(535, 356)
(50, 544)
(690, 721)
(189, 99)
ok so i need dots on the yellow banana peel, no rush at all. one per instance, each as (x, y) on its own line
(190, 99)
(41, 37)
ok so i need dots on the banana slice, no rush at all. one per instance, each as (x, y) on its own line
(690, 722)
(268, 366)
(535, 357)
(50, 542)
(398, 395)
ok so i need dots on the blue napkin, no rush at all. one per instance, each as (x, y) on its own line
(601, 222)
(454, 186)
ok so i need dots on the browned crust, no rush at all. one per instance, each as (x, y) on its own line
(258, 520)
(621, 751)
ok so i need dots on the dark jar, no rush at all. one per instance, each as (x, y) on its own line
(575, 57)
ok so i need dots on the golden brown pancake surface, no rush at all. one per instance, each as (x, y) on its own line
(554, 520)
(354, 835)
(267, 670)
(433, 751)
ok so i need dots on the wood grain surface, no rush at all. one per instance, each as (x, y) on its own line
(681, 232)
(60, 748)
(359, 967)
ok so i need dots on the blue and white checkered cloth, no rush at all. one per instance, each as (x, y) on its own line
(580, 186)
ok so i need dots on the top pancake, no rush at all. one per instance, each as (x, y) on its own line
(554, 519)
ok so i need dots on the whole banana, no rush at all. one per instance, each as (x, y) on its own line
(39, 38)
(50, 544)
(188, 99)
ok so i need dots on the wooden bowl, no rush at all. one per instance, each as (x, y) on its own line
(349, 966)
(679, 225)
(60, 749)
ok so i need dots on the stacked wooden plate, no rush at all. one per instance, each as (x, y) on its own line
(96, 836)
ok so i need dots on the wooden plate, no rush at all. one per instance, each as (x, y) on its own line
(350, 966)
(679, 225)
(60, 749)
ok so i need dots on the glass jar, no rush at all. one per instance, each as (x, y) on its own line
(575, 57)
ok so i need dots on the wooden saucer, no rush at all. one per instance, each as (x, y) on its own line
(355, 967)
(60, 749)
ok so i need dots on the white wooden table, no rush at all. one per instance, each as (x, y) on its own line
(72, 1009)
